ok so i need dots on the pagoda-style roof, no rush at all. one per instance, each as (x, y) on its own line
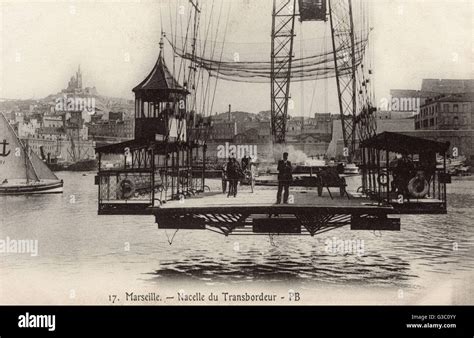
(160, 80)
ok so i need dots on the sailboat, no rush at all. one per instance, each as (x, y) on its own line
(21, 170)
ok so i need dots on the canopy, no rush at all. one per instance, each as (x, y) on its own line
(399, 143)
(160, 147)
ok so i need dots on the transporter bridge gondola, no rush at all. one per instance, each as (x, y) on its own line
(162, 171)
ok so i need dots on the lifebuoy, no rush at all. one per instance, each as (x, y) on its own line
(127, 188)
(418, 187)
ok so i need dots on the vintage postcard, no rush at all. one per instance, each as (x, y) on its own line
(244, 152)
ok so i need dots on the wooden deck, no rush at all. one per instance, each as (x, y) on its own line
(266, 198)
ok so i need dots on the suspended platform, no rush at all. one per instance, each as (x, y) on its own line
(391, 186)
(257, 213)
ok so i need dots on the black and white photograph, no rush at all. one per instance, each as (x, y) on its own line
(237, 152)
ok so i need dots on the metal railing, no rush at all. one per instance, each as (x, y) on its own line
(125, 186)
(386, 186)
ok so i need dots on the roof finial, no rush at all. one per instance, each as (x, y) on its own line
(163, 34)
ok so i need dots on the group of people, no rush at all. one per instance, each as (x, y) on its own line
(403, 173)
(235, 171)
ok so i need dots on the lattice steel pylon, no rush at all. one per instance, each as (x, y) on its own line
(356, 111)
(342, 33)
(283, 29)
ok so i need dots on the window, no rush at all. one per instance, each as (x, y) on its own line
(456, 121)
(446, 108)
(431, 122)
(456, 108)
(465, 108)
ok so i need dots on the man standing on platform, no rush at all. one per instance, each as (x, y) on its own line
(233, 175)
(284, 178)
(245, 162)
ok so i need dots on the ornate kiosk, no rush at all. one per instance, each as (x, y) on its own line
(159, 165)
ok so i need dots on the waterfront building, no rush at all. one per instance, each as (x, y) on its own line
(53, 121)
(395, 121)
(407, 100)
(26, 128)
(223, 131)
(449, 118)
(447, 112)
(114, 129)
(448, 86)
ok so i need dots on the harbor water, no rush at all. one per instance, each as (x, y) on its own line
(83, 258)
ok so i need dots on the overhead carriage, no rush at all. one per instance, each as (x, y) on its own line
(313, 10)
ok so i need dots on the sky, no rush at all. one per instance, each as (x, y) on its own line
(116, 42)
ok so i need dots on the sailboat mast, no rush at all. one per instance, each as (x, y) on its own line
(191, 81)
(26, 162)
(73, 147)
(78, 143)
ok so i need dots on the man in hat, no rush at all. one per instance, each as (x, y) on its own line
(284, 178)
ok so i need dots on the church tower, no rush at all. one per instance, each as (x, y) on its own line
(79, 78)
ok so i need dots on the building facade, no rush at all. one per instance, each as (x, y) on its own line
(447, 112)
(223, 130)
(115, 128)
